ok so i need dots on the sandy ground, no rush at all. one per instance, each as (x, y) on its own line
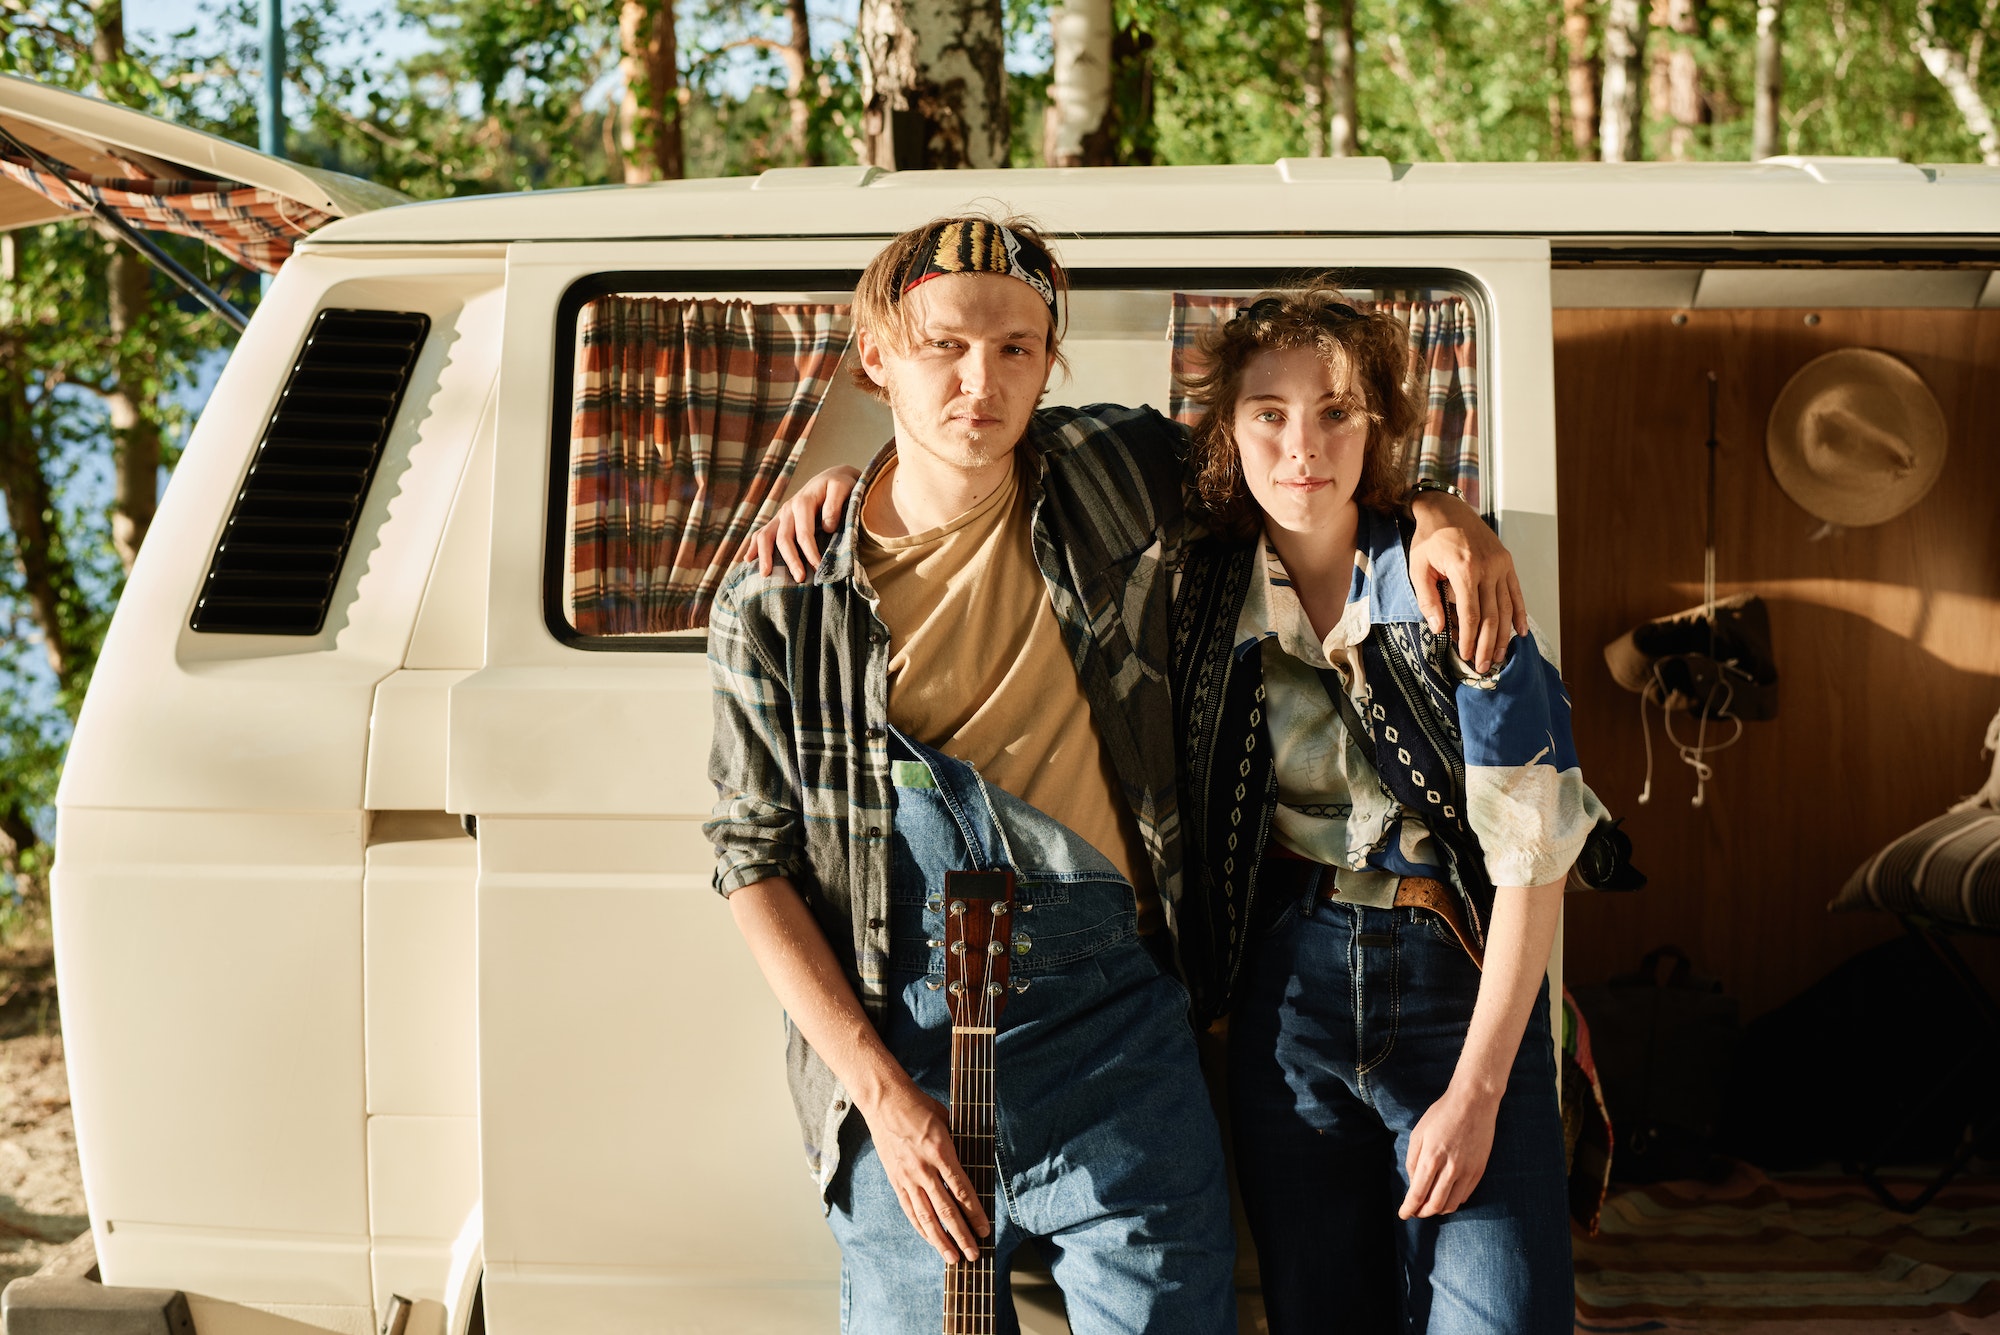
(41, 1186)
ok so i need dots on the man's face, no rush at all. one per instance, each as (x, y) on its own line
(977, 362)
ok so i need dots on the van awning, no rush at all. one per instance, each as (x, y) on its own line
(70, 152)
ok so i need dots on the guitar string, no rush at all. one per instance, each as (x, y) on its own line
(969, 1288)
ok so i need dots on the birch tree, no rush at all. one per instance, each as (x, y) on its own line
(1619, 122)
(1958, 71)
(1770, 80)
(1078, 130)
(933, 86)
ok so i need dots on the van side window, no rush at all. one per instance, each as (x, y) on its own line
(1444, 358)
(688, 416)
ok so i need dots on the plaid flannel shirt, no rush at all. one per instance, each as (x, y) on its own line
(800, 674)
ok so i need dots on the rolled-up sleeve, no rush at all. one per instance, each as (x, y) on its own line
(1525, 794)
(756, 826)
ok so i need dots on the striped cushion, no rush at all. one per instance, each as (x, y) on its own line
(1947, 869)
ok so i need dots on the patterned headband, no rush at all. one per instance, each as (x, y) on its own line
(978, 246)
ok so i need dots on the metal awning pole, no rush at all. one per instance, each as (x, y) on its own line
(271, 99)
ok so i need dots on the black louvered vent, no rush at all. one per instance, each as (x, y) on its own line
(281, 552)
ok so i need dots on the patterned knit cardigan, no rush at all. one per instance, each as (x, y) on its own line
(1230, 779)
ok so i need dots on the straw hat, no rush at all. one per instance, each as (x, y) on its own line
(1856, 437)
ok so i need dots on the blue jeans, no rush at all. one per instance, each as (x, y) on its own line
(1350, 1024)
(1107, 1150)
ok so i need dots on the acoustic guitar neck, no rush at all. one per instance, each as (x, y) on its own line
(978, 907)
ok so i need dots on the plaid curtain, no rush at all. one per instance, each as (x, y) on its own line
(255, 228)
(1444, 355)
(688, 418)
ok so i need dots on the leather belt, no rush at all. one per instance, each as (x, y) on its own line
(1288, 870)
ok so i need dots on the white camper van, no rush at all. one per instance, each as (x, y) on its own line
(388, 957)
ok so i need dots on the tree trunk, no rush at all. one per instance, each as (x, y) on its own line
(1770, 79)
(22, 853)
(798, 56)
(1078, 131)
(1132, 96)
(135, 427)
(1624, 91)
(651, 116)
(1582, 79)
(1314, 91)
(933, 89)
(39, 554)
(1346, 98)
(1953, 69)
(1683, 100)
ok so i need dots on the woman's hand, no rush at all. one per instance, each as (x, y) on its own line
(1448, 1153)
(1453, 544)
(912, 1135)
(1451, 1142)
(793, 533)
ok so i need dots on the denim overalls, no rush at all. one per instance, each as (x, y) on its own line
(1106, 1145)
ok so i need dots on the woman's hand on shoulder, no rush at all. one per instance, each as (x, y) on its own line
(792, 535)
(1448, 1153)
(1453, 544)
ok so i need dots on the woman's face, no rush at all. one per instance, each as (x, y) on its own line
(1301, 441)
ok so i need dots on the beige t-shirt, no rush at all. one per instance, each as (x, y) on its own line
(978, 669)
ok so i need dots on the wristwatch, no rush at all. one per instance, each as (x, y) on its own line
(1424, 484)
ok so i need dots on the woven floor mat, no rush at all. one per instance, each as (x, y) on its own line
(1754, 1255)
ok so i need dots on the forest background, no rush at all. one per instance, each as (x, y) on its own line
(104, 365)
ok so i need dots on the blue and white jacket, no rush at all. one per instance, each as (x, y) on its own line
(1470, 779)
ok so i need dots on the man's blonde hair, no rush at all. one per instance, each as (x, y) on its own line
(881, 312)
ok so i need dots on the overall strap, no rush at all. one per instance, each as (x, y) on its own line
(964, 794)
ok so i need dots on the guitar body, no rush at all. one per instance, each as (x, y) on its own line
(978, 908)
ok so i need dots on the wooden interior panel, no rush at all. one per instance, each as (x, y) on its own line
(1887, 638)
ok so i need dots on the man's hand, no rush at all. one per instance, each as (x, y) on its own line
(1453, 544)
(1448, 1152)
(793, 533)
(912, 1135)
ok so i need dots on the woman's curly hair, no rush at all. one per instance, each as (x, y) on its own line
(1368, 353)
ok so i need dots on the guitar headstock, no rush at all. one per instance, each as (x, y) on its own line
(978, 913)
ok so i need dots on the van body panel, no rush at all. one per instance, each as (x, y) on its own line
(251, 1266)
(423, 1175)
(211, 969)
(1469, 199)
(451, 624)
(515, 734)
(406, 740)
(210, 888)
(275, 720)
(420, 982)
(630, 1058)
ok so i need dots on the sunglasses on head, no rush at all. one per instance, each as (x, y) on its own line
(1270, 308)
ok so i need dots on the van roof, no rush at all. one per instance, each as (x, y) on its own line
(1813, 200)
